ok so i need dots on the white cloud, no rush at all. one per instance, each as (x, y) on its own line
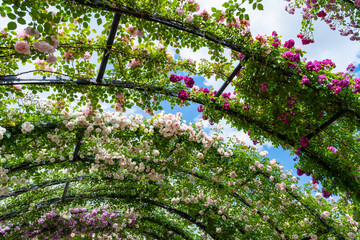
(328, 43)
(229, 132)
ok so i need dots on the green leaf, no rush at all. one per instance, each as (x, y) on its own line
(177, 51)
(11, 16)
(40, 28)
(99, 21)
(47, 27)
(21, 21)
(247, 17)
(254, 6)
(260, 7)
(12, 25)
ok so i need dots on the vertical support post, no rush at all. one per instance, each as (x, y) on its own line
(109, 44)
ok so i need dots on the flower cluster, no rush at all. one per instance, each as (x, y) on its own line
(189, 81)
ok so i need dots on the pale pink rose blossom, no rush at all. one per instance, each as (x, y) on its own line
(204, 14)
(132, 31)
(313, 237)
(44, 47)
(350, 234)
(40, 63)
(232, 174)
(22, 47)
(87, 56)
(273, 162)
(139, 33)
(3, 33)
(49, 69)
(134, 63)
(170, 55)
(189, 18)
(55, 42)
(180, 10)
(51, 59)
(68, 55)
(18, 87)
(22, 34)
(298, 50)
(325, 214)
(32, 32)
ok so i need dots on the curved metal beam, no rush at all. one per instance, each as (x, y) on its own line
(134, 198)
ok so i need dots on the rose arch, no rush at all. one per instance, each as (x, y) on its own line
(72, 170)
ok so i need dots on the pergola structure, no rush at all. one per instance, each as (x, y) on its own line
(332, 120)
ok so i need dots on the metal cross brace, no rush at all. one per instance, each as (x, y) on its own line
(230, 78)
(109, 44)
(76, 151)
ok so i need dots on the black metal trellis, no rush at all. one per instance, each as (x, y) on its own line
(168, 226)
(109, 43)
(75, 157)
(148, 88)
(327, 123)
(86, 178)
(231, 77)
(312, 211)
(237, 196)
(99, 80)
(135, 198)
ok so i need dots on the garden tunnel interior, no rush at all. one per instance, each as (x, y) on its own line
(337, 111)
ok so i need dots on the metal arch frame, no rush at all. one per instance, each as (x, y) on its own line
(308, 208)
(75, 157)
(344, 176)
(168, 227)
(85, 178)
(134, 198)
(182, 27)
(104, 63)
(185, 171)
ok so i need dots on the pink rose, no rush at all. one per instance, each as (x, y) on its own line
(49, 69)
(273, 162)
(32, 32)
(232, 174)
(325, 214)
(22, 34)
(87, 56)
(180, 10)
(189, 18)
(68, 55)
(3, 33)
(22, 47)
(55, 42)
(134, 63)
(51, 59)
(44, 47)
(139, 33)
